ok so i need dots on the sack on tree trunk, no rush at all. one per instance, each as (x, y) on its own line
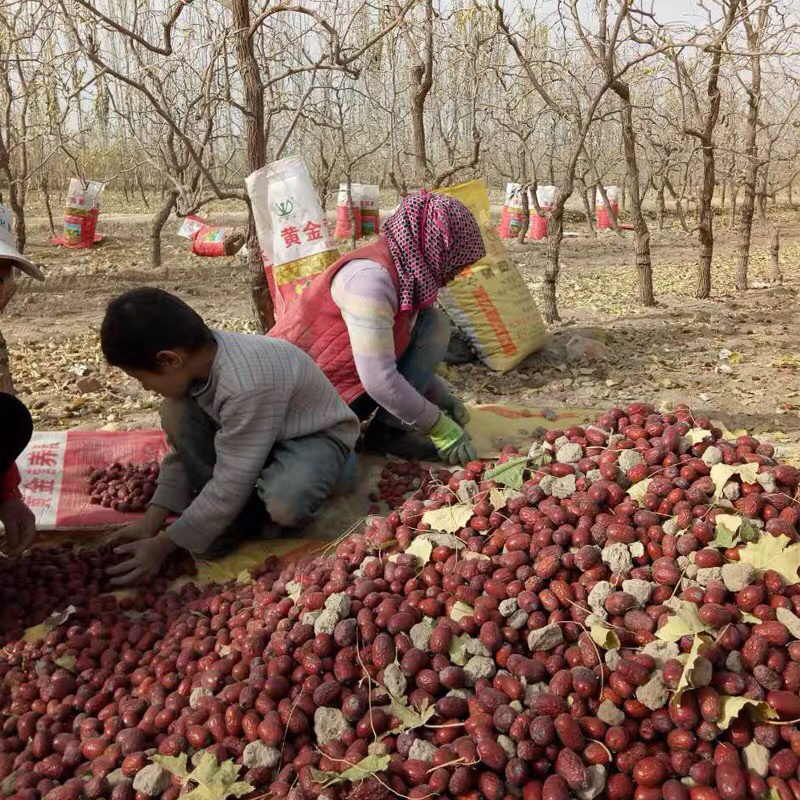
(370, 210)
(537, 225)
(214, 241)
(489, 300)
(343, 230)
(293, 233)
(512, 196)
(601, 212)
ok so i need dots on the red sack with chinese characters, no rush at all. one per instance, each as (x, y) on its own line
(293, 233)
(217, 241)
(54, 468)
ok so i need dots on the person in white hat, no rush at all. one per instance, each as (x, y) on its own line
(19, 523)
(10, 257)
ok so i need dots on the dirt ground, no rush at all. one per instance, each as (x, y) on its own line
(738, 353)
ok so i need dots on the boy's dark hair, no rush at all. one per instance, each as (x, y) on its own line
(142, 322)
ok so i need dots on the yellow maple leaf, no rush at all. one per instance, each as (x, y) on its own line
(604, 637)
(732, 707)
(684, 622)
(773, 552)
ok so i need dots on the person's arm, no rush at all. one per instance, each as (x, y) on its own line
(368, 300)
(9, 484)
(249, 426)
(173, 491)
(19, 522)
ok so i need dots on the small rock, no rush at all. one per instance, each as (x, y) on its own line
(736, 576)
(707, 575)
(326, 621)
(661, 652)
(610, 714)
(560, 442)
(546, 484)
(654, 694)
(329, 723)
(569, 453)
(194, 697)
(756, 757)
(684, 561)
(636, 549)
(88, 384)
(257, 754)
(421, 633)
(152, 780)
(339, 603)
(615, 438)
(479, 667)
(670, 526)
(422, 751)
(617, 557)
(767, 481)
(593, 475)
(563, 487)
(640, 590)
(790, 620)
(597, 782)
(692, 571)
(712, 455)
(545, 638)
(598, 616)
(394, 680)
(629, 458)
(115, 778)
(599, 594)
(517, 706)
(310, 617)
(475, 647)
(731, 491)
(612, 659)
(508, 606)
(507, 743)
(518, 620)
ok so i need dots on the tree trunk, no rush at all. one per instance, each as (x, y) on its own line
(6, 384)
(142, 191)
(157, 225)
(660, 205)
(763, 184)
(587, 207)
(20, 228)
(751, 163)
(789, 194)
(644, 267)
(705, 223)
(775, 255)
(255, 153)
(526, 215)
(555, 233)
(46, 197)
(734, 202)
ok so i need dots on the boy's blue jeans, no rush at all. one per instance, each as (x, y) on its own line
(298, 475)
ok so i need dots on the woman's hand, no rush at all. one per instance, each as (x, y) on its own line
(145, 559)
(455, 409)
(452, 442)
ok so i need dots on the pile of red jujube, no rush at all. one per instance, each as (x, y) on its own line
(50, 579)
(488, 642)
(123, 487)
(398, 480)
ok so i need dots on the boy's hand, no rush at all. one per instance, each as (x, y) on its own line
(145, 559)
(20, 525)
(145, 528)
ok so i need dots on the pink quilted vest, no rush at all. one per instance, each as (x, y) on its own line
(314, 323)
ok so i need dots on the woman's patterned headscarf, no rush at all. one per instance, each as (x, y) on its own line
(431, 237)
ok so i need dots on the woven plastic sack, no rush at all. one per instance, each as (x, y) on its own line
(537, 225)
(293, 233)
(503, 229)
(216, 241)
(80, 213)
(489, 300)
(601, 212)
(370, 210)
(342, 230)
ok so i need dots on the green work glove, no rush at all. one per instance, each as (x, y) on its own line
(451, 441)
(454, 408)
